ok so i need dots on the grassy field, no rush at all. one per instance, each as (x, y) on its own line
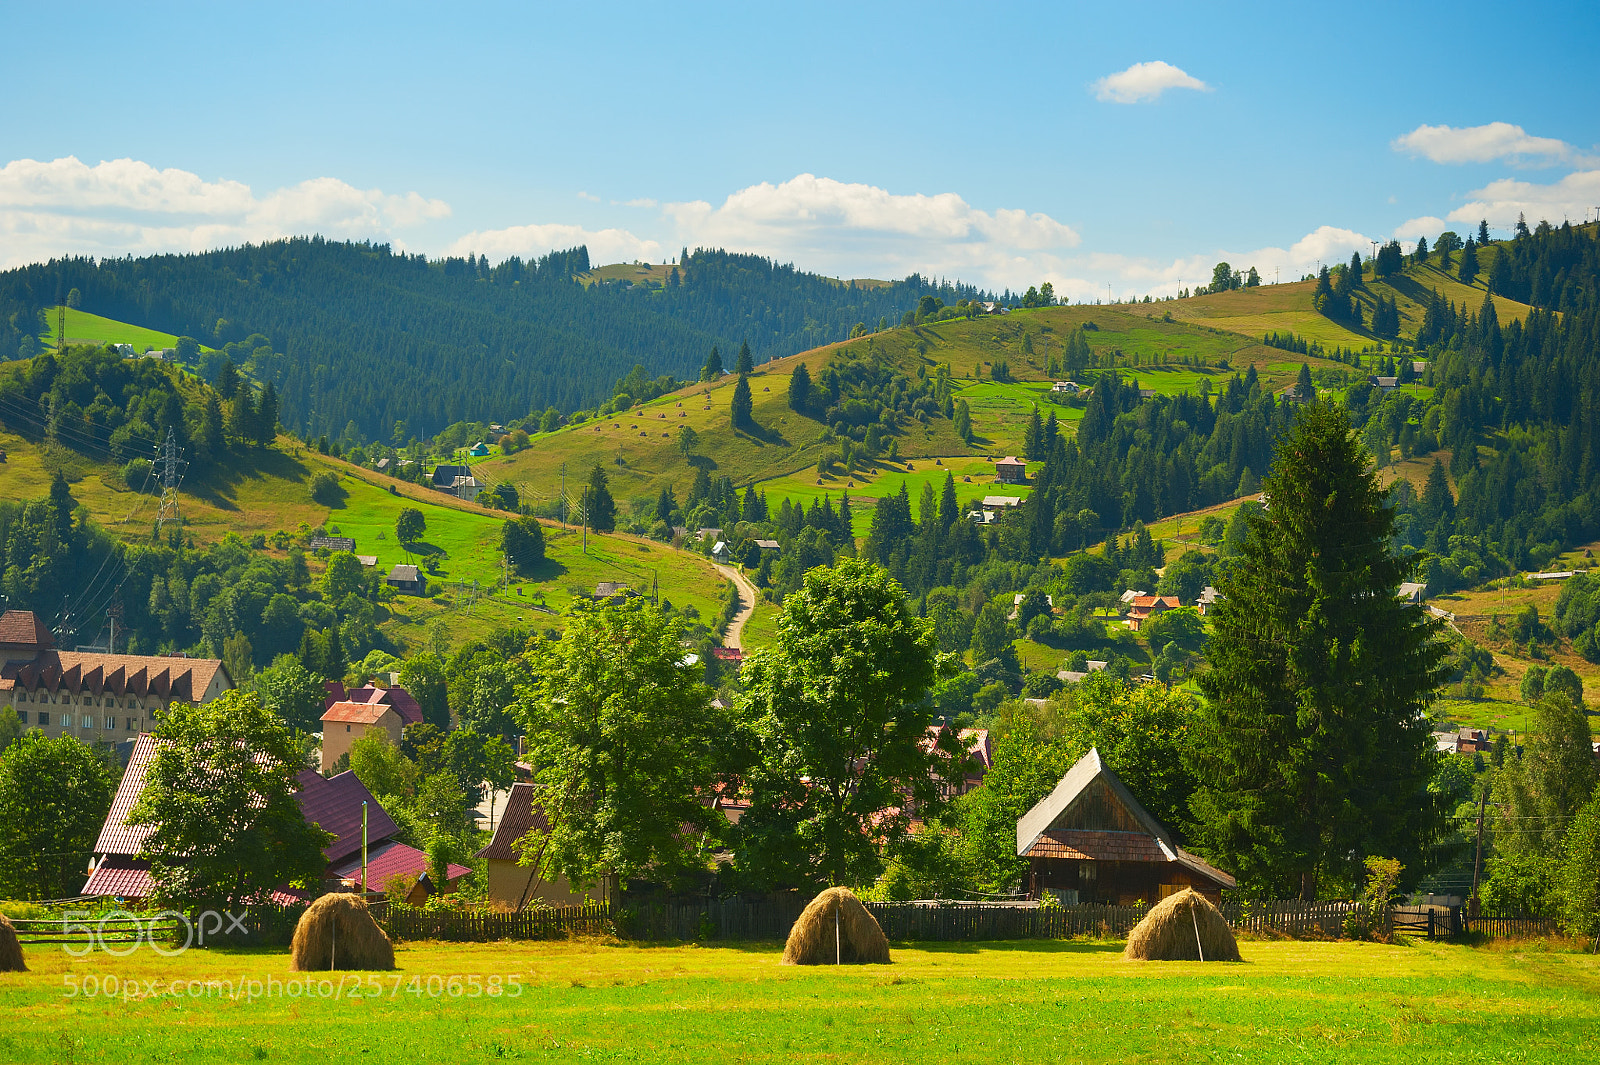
(86, 328)
(867, 486)
(969, 1002)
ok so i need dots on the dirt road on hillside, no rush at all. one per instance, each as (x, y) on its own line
(747, 597)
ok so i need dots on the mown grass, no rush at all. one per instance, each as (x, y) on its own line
(866, 486)
(969, 1002)
(86, 328)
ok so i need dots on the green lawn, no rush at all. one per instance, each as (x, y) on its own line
(867, 486)
(86, 328)
(970, 1002)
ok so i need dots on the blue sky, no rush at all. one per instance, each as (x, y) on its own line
(1129, 145)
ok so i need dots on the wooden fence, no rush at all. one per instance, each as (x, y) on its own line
(1509, 927)
(1291, 917)
(404, 922)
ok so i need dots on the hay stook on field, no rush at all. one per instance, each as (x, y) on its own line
(337, 932)
(11, 960)
(836, 929)
(1182, 927)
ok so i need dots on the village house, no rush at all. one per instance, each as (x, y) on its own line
(1385, 384)
(512, 886)
(333, 804)
(1065, 388)
(479, 450)
(333, 543)
(345, 722)
(1144, 607)
(1412, 592)
(392, 695)
(611, 592)
(1011, 470)
(770, 545)
(405, 579)
(444, 476)
(1209, 598)
(1090, 841)
(92, 695)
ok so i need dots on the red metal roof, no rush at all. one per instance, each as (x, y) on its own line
(386, 861)
(121, 877)
(334, 803)
(116, 835)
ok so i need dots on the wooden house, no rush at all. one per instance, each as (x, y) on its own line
(512, 886)
(1089, 840)
(1011, 470)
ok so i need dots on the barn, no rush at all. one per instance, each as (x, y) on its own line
(1089, 841)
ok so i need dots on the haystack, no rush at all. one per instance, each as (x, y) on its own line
(836, 928)
(10, 950)
(1182, 927)
(337, 932)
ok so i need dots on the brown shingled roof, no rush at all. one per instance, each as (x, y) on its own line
(185, 679)
(22, 628)
(519, 817)
(1098, 845)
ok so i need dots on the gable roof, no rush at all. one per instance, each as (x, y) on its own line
(334, 803)
(1037, 837)
(116, 835)
(521, 815)
(1010, 460)
(385, 862)
(170, 677)
(403, 572)
(353, 713)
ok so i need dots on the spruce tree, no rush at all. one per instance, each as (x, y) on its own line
(1483, 233)
(742, 404)
(600, 507)
(744, 365)
(1303, 388)
(1355, 269)
(1420, 256)
(1033, 437)
(800, 389)
(713, 367)
(1315, 751)
(948, 508)
(1469, 262)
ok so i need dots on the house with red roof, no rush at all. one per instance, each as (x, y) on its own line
(1141, 608)
(334, 804)
(345, 722)
(90, 695)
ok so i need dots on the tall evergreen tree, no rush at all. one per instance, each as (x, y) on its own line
(1469, 262)
(745, 365)
(1033, 436)
(949, 511)
(800, 389)
(742, 404)
(713, 367)
(1355, 269)
(1483, 233)
(1315, 752)
(601, 508)
(266, 419)
(1303, 388)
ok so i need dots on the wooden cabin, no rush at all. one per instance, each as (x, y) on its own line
(1089, 840)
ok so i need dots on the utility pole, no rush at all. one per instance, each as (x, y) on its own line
(586, 519)
(1477, 862)
(563, 495)
(169, 463)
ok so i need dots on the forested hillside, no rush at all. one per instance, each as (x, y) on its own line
(357, 332)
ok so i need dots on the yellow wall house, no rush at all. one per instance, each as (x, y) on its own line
(511, 886)
(345, 722)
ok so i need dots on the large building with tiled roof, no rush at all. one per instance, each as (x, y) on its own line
(91, 695)
(1090, 840)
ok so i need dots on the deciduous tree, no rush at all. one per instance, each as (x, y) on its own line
(54, 794)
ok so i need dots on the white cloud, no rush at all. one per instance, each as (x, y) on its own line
(1145, 81)
(644, 201)
(1500, 202)
(1483, 144)
(591, 197)
(124, 206)
(855, 229)
(531, 241)
(1426, 226)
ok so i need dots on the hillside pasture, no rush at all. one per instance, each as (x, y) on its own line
(86, 328)
(970, 1002)
(867, 486)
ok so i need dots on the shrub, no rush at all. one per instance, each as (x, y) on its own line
(325, 489)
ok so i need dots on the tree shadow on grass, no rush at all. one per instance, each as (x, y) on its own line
(218, 484)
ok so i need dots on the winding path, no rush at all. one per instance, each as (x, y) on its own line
(747, 596)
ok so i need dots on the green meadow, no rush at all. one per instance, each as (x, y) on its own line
(86, 328)
(982, 1003)
(865, 487)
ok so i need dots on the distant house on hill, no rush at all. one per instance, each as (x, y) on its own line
(444, 476)
(345, 722)
(1001, 502)
(382, 465)
(611, 592)
(466, 488)
(770, 545)
(1412, 592)
(1065, 388)
(1011, 470)
(478, 450)
(405, 579)
(1145, 607)
(1090, 841)
(1386, 384)
(1147, 393)
(333, 543)
(1209, 598)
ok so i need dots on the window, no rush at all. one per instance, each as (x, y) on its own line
(129, 726)
(111, 723)
(88, 721)
(347, 728)
(22, 716)
(44, 718)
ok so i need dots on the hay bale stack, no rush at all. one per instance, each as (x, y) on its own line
(836, 928)
(10, 950)
(1183, 927)
(337, 932)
